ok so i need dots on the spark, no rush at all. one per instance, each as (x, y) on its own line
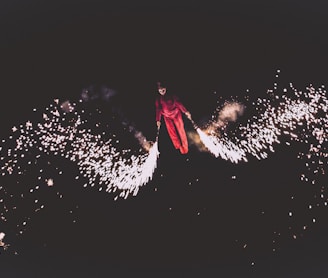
(50, 182)
(104, 163)
(221, 147)
(61, 133)
(2, 243)
(263, 131)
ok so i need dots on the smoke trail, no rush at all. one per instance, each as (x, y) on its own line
(229, 113)
(92, 93)
(142, 140)
(194, 139)
(104, 93)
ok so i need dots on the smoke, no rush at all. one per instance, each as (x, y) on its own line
(93, 92)
(104, 93)
(143, 142)
(195, 140)
(229, 113)
(67, 106)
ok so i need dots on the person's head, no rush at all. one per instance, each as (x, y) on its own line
(161, 88)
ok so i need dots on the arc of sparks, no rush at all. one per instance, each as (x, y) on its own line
(259, 136)
(99, 161)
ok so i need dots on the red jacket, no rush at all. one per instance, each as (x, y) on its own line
(168, 106)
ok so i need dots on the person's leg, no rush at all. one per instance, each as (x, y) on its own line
(172, 132)
(178, 121)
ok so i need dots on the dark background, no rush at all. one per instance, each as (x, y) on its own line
(54, 49)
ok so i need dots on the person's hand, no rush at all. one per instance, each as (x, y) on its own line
(188, 115)
(158, 123)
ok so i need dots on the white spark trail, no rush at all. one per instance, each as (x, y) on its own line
(98, 159)
(263, 132)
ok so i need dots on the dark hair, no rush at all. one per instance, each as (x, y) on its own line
(161, 84)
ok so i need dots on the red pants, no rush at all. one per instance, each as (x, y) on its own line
(175, 128)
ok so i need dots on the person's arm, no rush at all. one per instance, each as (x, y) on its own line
(158, 113)
(188, 115)
(182, 108)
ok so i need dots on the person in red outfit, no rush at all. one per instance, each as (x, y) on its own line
(171, 109)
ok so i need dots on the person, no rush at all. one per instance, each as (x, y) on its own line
(171, 109)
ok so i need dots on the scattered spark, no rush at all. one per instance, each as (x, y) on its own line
(2, 243)
(98, 160)
(263, 131)
(102, 162)
(50, 182)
